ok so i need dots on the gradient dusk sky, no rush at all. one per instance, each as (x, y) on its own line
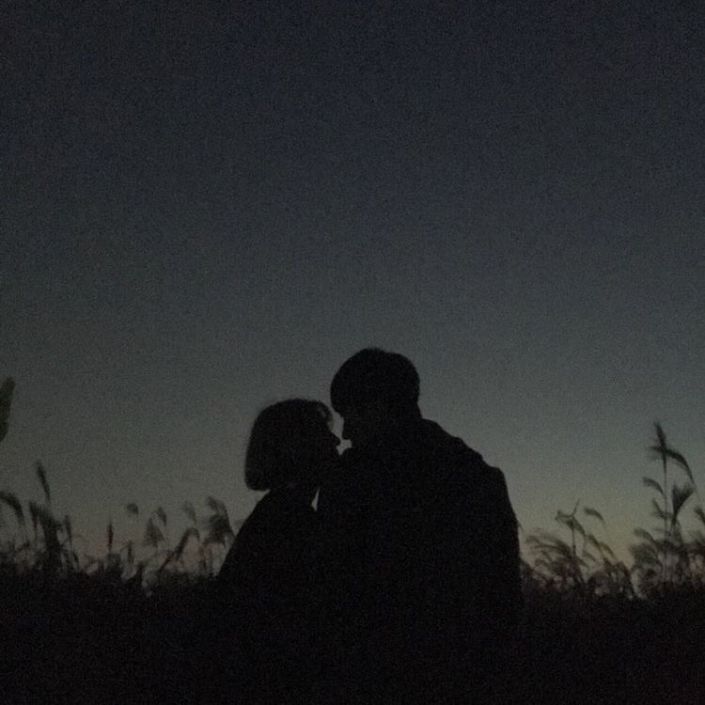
(206, 209)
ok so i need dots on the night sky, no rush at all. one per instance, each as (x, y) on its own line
(207, 210)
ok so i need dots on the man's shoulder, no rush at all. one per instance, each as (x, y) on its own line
(441, 443)
(428, 451)
(464, 462)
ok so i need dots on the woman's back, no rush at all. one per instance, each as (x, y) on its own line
(268, 595)
(262, 641)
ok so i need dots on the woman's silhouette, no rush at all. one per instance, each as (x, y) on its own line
(264, 645)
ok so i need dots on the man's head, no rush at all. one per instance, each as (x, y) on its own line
(373, 391)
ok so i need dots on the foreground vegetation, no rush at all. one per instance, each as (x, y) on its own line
(573, 561)
(124, 627)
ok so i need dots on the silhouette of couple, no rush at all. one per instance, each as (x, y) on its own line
(401, 586)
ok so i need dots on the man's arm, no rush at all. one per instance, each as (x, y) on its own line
(508, 559)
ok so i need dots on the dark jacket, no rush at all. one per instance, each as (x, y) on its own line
(267, 601)
(424, 555)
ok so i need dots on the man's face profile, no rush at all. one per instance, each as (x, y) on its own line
(361, 425)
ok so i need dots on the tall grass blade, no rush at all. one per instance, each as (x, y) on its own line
(658, 511)
(153, 535)
(654, 485)
(34, 516)
(6, 392)
(11, 501)
(176, 554)
(681, 462)
(216, 505)
(590, 512)
(644, 554)
(679, 496)
(606, 549)
(219, 529)
(190, 532)
(52, 546)
(68, 526)
(42, 475)
(644, 535)
(189, 510)
(660, 450)
(660, 439)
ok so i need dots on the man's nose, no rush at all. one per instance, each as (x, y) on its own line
(344, 433)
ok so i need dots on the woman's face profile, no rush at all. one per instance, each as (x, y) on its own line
(321, 453)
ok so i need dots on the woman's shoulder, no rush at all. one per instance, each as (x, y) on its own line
(245, 548)
(280, 506)
(274, 521)
(276, 535)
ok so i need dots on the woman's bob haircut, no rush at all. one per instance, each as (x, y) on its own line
(281, 439)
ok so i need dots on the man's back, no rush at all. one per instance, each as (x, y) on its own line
(424, 541)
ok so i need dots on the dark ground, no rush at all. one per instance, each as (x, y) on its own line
(86, 641)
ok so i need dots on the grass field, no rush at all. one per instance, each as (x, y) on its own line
(128, 626)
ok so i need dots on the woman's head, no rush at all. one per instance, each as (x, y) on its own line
(290, 442)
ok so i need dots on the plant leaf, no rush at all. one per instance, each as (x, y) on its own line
(653, 484)
(152, 535)
(42, 475)
(6, 391)
(219, 529)
(110, 535)
(215, 505)
(644, 535)
(606, 548)
(14, 504)
(69, 527)
(189, 510)
(658, 511)
(679, 496)
(663, 452)
(34, 515)
(588, 511)
(161, 514)
(681, 462)
(191, 531)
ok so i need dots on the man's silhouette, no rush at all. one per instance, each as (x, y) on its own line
(423, 549)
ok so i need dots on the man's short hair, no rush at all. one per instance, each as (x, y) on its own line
(374, 375)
